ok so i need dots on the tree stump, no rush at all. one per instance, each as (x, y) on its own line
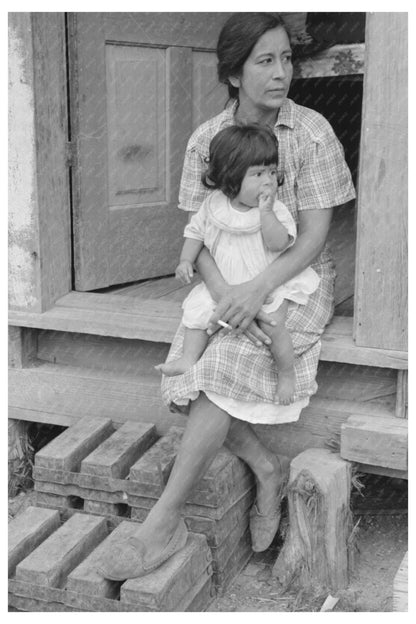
(318, 551)
(19, 455)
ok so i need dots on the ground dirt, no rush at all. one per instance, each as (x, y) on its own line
(381, 543)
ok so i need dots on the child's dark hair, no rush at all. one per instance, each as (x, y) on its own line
(233, 150)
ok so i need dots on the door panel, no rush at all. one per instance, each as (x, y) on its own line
(136, 142)
(140, 84)
(207, 91)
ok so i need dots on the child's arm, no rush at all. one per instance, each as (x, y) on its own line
(190, 251)
(275, 234)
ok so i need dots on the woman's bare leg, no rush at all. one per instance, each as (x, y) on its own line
(243, 442)
(204, 435)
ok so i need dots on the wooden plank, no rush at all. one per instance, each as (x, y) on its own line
(400, 586)
(157, 320)
(49, 48)
(39, 416)
(62, 551)
(61, 394)
(23, 244)
(77, 391)
(376, 441)
(22, 346)
(121, 355)
(402, 392)
(381, 470)
(381, 278)
(338, 60)
(117, 453)
(67, 450)
(27, 531)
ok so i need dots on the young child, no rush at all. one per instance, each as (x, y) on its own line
(245, 228)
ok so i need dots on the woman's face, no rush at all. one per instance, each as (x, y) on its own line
(265, 79)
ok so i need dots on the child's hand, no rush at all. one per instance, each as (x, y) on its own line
(184, 272)
(266, 201)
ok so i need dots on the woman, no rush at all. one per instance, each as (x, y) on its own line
(233, 384)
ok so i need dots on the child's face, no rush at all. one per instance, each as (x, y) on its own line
(257, 180)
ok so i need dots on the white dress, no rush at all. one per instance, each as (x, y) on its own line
(236, 243)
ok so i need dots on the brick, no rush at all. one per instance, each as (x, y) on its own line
(240, 556)
(27, 531)
(80, 492)
(68, 450)
(216, 531)
(107, 509)
(50, 562)
(150, 473)
(85, 578)
(153, 468)
(44, 499)
(79, 479)
(221, 554)
(161, 590)
(204, 596)
(210, 510)
(73, 583)
(33, 605)
(114, 457)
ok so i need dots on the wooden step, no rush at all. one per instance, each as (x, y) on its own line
(378, 441)
(63, 394)
(156, 320)
(60, 573)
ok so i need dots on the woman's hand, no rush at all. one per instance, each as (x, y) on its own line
(255, 334)
(239, 306)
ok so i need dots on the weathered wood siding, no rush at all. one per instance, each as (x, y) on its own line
(39, 216)
(381, 269)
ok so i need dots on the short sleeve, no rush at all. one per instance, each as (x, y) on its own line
(197, 225)
(192, 192)
(285, 218)
(324, 179)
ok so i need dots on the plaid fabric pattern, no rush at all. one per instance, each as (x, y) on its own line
(234, 367)
(315, 176)
(311, 161)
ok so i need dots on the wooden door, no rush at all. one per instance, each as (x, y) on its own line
(140, 83)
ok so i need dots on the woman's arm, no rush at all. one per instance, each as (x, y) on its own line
(242, 303)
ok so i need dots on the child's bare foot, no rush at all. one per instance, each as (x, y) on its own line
(176, 367)
(286, 387)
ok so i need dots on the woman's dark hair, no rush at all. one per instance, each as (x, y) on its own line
(238, 37)
(233, 150)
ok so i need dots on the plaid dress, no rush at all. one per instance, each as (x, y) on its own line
(313, 175)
